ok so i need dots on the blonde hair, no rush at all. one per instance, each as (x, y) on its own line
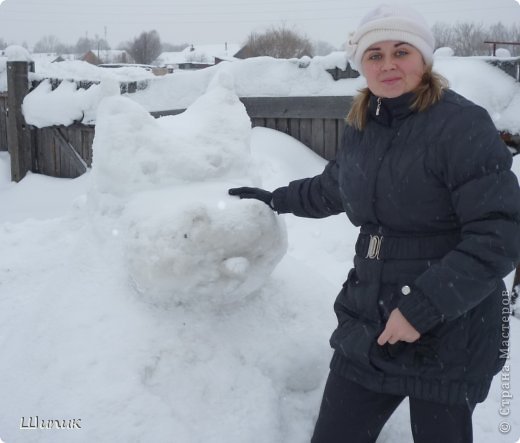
(427, 93)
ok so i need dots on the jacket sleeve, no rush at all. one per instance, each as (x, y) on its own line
(475, 165)
(314, 197)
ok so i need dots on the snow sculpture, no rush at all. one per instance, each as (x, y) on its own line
(444, 52)
(502, 53)
(161, 185)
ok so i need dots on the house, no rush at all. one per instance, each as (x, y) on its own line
(114, 56)
(51, 57)
(106, 56)
(197, 56)
(91, 58)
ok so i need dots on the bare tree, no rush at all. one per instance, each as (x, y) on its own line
(100, 43)
(146, 48)
(444, 35)
(85, 44)
(279, 42)
(48, 43)
(3, 44)
(467, 39)
(322, 48)
(470, 38)
(515, 37)
(500, 33)
(169, 47)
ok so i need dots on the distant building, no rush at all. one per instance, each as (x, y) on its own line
(91, 58)
(114, 56)
(108, 56)
(197, 56)
(51, 57)
(244, 52)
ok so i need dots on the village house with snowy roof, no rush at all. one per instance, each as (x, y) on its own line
(107, 56)
(197, 56)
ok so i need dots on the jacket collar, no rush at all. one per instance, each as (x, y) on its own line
(386, 110)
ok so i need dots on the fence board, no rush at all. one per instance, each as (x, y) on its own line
(294, 128)
(18, 141)
(47, 158)
(317, 136)
(270, 123)
(87, 142)
(339, 134)
(306, 131)
(258, 122)
(72, 164)
(330, 139)
(297, 107)
(282, 125)
(3, 122)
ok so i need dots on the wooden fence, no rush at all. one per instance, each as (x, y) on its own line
(317, 122)
(61, 151)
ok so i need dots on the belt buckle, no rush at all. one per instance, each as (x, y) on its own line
(374, 247)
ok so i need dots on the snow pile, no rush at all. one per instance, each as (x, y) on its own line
(73, 70)
(490, 87)
(509, 119)
(254, 77)
(12, 53)
(17, 54)
(503, 53)
(336, 59)
(78, 344)
(85, 345)
(262, 77)
(66, 104)
(444, 52)
(161, 185)
(81, 70)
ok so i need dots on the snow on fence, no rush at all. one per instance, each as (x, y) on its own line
(66, 151)
(317, 122)
(3, 121)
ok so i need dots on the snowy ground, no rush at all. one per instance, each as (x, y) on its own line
(236, 352)
(78, 342)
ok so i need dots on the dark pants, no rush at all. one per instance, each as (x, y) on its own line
(350, 413)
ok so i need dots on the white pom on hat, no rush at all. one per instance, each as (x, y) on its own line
(391, 22)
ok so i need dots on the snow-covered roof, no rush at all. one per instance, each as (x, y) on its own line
(49, 57)
(111, 55)
(198, 54)
(473, 77)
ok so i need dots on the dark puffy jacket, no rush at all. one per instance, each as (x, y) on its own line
(439, 211)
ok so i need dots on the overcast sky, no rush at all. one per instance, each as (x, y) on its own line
(218, 21)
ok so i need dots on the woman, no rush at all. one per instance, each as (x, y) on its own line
(424, 174)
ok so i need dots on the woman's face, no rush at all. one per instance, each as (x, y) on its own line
(392, 68)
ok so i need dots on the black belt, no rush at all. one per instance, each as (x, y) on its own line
(383, 247)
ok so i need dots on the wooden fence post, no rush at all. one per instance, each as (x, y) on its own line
(18, 134)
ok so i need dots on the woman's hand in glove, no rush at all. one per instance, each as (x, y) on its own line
(255, 193)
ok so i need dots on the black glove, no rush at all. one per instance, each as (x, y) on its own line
(256, 193)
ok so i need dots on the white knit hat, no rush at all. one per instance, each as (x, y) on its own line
(391, 22)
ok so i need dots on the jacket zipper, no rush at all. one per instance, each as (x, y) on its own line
(378, 109)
